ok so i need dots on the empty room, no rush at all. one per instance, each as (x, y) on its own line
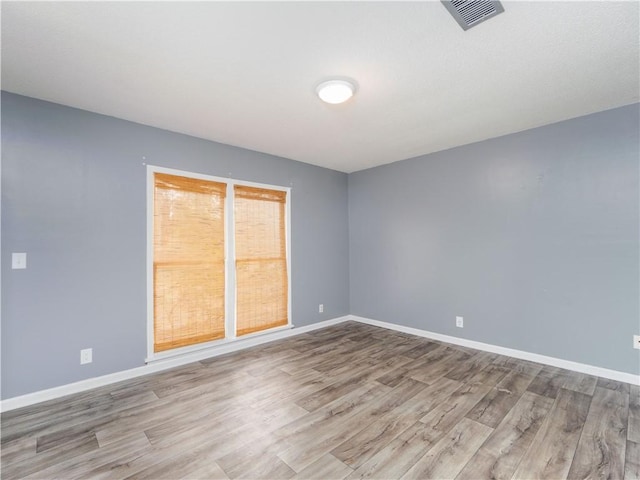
(320, 240)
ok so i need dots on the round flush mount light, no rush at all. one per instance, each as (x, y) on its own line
(335, 91)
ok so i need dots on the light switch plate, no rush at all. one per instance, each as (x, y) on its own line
(18, 261)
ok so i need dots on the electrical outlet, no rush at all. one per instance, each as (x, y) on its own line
(460, 322)
(636, 341)
(18, 261)
(86, 356)
(321, 308)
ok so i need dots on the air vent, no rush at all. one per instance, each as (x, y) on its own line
(469, 13)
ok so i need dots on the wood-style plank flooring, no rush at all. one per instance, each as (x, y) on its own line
(349, 401)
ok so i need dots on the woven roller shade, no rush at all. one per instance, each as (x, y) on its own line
(261, 259)
(188, 266)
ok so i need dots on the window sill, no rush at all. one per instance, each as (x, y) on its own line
(219, 347)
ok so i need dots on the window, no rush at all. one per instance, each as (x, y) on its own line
(261, 259)
(218, 261)
(188, 261)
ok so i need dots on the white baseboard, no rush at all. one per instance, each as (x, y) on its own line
(532, 357)
(158, 366)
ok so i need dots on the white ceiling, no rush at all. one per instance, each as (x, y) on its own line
(244, 73)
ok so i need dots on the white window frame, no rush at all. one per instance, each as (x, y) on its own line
(230, 262)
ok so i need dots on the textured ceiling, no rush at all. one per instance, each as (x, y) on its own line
(244, 73)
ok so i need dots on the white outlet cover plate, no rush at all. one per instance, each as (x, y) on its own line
(18, 261)
(636, 341)
(86, 356)
(460, 322)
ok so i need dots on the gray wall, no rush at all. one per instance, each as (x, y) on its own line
(532, 237)
(73, 198)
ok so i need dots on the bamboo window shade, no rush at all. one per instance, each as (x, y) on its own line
(188, 261)
(261, 259)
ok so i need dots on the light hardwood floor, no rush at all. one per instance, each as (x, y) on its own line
(349, 401)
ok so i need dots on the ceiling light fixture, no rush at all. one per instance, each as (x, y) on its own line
(335, 91)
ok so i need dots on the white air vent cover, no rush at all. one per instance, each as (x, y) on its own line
(469, 13)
